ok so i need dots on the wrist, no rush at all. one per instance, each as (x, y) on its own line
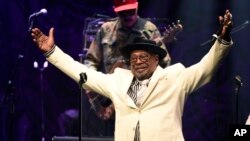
(48, 53)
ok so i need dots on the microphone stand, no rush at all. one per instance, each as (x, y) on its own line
(41, 70)
(83, 79)
(31, 23)
(238, 85)
(237, 104)
(234, 30)
(81, 104)
(10, 97)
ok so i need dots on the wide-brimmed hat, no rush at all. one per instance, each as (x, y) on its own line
(143, 44)
(121, 5)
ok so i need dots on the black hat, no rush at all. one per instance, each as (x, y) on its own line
(143, 44)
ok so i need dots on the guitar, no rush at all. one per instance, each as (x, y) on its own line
(170, 33)
(102, 112)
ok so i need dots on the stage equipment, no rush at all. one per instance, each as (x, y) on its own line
(83, 139)
(8, 103)
(34, 15)
(41, 70)
(238, 85)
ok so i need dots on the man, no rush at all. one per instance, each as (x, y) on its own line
(104, 52)
(148, 99)
(104, 55)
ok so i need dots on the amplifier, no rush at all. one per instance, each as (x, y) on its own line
(69, 138)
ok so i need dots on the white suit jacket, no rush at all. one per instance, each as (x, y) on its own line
(248, 120)
(160, 113)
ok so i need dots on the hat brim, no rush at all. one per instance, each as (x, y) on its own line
(126, 7)
(151, 48)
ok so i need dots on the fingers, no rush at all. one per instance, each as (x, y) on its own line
(226, 24)
(36, 34)
(221, 19)
(51, 33)
(229, 18)
(229, 15)
(106, 112)
(226, 20)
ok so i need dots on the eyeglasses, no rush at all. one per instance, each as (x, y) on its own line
(143, 58)
(126, 13)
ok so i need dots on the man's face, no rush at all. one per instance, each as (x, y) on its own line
(143, 64)
(128, 17)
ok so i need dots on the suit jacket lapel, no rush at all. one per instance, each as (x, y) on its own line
(129, 101)
(152, 84)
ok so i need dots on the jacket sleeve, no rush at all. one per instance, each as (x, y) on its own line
(96, 81)
(201, 73)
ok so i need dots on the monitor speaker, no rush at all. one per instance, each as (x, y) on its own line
(67, 138)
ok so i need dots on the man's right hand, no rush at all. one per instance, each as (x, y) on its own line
(45, 43)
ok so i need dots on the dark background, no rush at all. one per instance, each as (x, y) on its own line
(208, 111)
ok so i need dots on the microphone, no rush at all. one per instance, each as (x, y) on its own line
(238, 80)
(42, 11)
(238, 83)
(83, 79)
(32, 16)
